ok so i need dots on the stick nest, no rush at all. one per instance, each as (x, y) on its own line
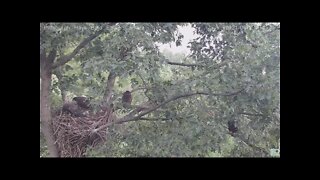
(74, 134)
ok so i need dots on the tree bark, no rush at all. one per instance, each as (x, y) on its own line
(110, 84)
(45, 112)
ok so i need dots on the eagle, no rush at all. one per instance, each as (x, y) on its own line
(126, 99)
(77, 107)
(82, 102)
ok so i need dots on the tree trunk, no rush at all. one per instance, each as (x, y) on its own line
(45, 113)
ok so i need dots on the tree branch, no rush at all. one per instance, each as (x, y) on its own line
(250, 114)
(184, 64)
(241, 137)
(197, 65)
(64, 59)
(245, 141)
(110, 84)
(145, 85)
(139, 88)
(153, 119)
(193, 65)
(130, 118)
(52, 55)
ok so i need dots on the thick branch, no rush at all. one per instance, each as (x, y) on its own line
(64, 59)
(52, 55)
(130, 118)
(110, 84)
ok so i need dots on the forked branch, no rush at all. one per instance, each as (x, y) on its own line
(64, 59)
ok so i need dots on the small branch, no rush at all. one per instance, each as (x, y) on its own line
(139, 88)
(154, 119)
(250, 114)
(197, 65)
(275, 29)
(246, 141)
(64, 59)
(241, 138)
(143, 81)
(145, 85)
(193, 65)
(184, 64)
(220, 64)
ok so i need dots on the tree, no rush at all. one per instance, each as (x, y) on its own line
(182, 104)
(53, 41)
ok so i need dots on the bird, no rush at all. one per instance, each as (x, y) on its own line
(82, 102)
(126, 99)
(232, 127)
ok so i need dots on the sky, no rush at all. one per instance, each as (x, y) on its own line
(187, 32)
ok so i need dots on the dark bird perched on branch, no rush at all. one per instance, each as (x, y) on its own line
(232, 127)
(126, 99)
